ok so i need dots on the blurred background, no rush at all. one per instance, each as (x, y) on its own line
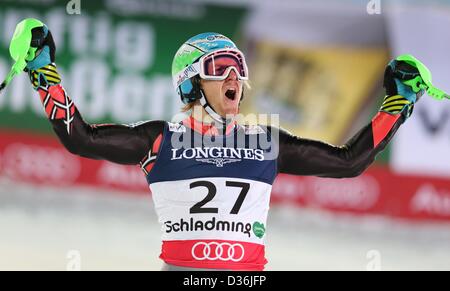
(318, 64)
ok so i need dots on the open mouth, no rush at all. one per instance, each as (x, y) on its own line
(230, 94)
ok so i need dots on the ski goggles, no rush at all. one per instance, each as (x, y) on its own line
(215, 66)
(219, 64)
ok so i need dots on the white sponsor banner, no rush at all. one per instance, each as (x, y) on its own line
(422, 145)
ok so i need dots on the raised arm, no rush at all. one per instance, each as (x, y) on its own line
(116, 143)
(121, 144)
(301, 156)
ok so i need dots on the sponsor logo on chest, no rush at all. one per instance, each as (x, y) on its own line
(218, 156)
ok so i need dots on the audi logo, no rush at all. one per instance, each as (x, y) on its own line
(218, 251)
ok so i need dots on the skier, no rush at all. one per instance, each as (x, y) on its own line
(210, 180)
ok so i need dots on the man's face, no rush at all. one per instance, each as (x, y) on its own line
(224, 96)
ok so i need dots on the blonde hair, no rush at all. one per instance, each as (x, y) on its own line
(189, 106)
